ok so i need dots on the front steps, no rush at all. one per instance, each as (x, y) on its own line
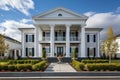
(54, 59)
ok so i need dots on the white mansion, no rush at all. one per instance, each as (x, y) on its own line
(60, 31)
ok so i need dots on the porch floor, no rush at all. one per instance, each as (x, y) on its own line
(62, 67)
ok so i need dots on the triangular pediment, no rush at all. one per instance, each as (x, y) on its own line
(59, 13)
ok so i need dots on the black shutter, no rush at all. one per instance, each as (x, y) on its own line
(32, 38)
(26, 51)
(88, 52)
(76, 50)
(26, 38)
(76, 34)
(70, 50)
(94, 52)
(32, 51)
(43, 34)
(63, 35)
(94, 38)
(87, 38)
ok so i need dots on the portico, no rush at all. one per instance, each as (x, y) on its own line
(60, 31)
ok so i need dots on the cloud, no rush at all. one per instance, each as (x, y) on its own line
(21, 5)
(118, 10)
(105, 20)
(11, 28)
(25, 20)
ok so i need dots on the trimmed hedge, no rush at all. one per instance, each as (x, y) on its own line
(104, 67)
(23, 61)
(24, 67)
(94, 61)
(40, 66)
(77, 65)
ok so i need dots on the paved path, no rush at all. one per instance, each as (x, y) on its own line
(62, 67)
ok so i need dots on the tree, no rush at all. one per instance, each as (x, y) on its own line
(74, 54)
(110, 46)
(3, 46)
(43, 54)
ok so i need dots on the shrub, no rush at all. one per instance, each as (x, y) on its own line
(94, 61)
(23, 61)
(11, 67)
(74, 54)
(39, 66)
(23, 67)
(105, 66)
(77, 65)
(4, 67)
(44, 54)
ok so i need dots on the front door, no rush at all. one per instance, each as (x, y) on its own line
(59, 51)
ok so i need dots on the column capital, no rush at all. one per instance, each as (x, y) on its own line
(82, 25)
(67, 25)
(52, 25)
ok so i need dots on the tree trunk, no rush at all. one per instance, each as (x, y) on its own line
(109, 58)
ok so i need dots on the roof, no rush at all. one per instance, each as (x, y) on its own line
(59, 8)
(118, 35)
(97, 29)
(11, 39)
(26, 28)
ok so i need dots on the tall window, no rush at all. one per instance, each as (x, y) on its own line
(29, 38)
(91, 52)
(91, 38)
(29, 52)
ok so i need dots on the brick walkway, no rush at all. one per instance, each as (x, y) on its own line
(62, 67)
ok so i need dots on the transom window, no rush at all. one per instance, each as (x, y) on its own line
(59, 14)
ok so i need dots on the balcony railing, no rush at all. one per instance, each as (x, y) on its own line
(74, 39)
(60, 38)
(46, 38)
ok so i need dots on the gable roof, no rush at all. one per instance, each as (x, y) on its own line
(11, 39)
(60, 8)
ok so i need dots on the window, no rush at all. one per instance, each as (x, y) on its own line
(59, 14)
(29, 38)
(91, 38)
(91, 52)
(29, 52)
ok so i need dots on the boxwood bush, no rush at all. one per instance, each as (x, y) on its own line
(23, 67)
(23, 61)
(77, 65)
(104, 66)
(40, 66)
(94, 61)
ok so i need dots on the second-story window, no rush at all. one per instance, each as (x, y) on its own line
(91, 38)
(29, 38)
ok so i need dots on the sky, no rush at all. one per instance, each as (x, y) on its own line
(18, 13)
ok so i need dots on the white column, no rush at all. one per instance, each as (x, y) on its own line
(15, 54)
(52, 40)
(83, 41)
(36, 37)
(98, 53)
(67, 40)
(23, 43)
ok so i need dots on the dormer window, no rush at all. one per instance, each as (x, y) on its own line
(59, 14)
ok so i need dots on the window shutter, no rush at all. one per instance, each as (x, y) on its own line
(87, 38)
(76, 50)
(32, 51)
(88, 52)
(32, 38)
(26, 38)
(70, 50)
(43, 34)
(76, 34)
(55, 34)
(26, 51)
(94, 38)
(94, 52)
